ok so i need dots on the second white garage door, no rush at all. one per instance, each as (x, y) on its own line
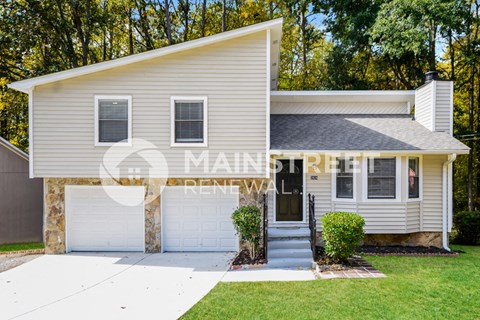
(199, 219)
(105, 218)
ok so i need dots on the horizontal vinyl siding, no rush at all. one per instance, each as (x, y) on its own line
(338, 108)
(432, 193)
(380, 218)
(443, 106)
(413, 216)
(383, 217)
(232, 74)
(321, 189)
(424, 105)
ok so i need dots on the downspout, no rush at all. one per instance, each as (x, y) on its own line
(446, 199)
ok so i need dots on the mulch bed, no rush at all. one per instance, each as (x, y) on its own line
(325, 263)
(416, 251)
(243, 258)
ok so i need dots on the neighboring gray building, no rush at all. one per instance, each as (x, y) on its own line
(21, 198)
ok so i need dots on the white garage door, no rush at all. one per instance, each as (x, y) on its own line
(101, 218)
(199, 219)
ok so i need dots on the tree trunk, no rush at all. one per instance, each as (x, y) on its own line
(470, 144)
(186, 12)
(204, 12)
(70, 49)
(130, 31)
(81, 34)
(452, 55)
(168, 24)
(303, 29)
(224, 16)
(431, 55)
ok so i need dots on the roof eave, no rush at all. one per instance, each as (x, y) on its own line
(413, 151)
(13, 148)
(345, 96)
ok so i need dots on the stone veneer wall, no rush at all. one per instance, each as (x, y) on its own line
(251, 192)
(425, 239)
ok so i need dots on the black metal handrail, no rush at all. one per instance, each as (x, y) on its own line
(312, 222)
(265, 226)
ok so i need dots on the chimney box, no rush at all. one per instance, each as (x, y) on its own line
(431, 75)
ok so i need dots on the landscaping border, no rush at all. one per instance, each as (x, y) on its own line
(453, 254)
(24, 252)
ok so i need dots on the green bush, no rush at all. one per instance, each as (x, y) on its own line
(467, 226)
(342, 233)
(248, 223)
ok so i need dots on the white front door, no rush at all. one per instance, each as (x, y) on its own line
(104, 218)
(199, 219)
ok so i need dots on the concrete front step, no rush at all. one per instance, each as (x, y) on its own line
(288, 232)
(290, 263)
(289, 244)
(289, 253)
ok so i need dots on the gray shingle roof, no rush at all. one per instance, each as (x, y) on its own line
(356, 132)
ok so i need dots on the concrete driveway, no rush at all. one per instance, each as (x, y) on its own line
(109, 285)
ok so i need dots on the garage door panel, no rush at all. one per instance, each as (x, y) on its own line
(191, 226)
(96, 222)
(210, 226)
(193, 221)
(225, 226)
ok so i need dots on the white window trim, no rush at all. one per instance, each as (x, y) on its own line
(97, 134)
(172, 122)
(420, 179)
(334, 182)
(398, 180)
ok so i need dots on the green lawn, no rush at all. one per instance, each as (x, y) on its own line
(20, 246)
(415, 288)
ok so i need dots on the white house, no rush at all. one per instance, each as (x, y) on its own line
(152, 152)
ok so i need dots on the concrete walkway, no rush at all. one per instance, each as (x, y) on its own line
(268, 274)
(109, 285)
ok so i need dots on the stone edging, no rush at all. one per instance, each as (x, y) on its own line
(246, 266)
(364, 271)
(25, 252)
(453, 254)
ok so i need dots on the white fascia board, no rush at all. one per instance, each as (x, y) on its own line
(407, 96)
(25, 85)
(392, 152)
(14, 149)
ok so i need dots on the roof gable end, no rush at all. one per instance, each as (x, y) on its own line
(275, 25)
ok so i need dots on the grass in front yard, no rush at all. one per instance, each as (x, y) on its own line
(415, 288)
(20, 246)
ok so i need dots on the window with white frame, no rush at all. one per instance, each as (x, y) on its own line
(381, 178)
(113, 116)
(344, 178)
(189, 124)
(413, 178)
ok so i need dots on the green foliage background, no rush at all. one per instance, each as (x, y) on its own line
(327, 44)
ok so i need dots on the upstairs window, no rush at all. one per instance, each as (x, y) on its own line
(381, 178)
(413, 178)
(189, 121)
(113, 116)
(344, 178)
